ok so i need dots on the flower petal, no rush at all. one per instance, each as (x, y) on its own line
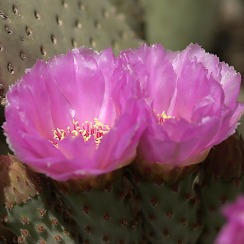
(59, 111)
(199, 110)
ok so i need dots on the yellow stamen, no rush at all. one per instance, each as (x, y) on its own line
(87, 130)
(162, 117)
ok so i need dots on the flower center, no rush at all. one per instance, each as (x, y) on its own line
(87, 130)
(162, 117)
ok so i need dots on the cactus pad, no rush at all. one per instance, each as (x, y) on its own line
(31, 30)
(104, 215)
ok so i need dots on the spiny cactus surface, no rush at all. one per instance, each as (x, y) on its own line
(220, 181)
(31, 30)
(214, 194)
(168, 211)
(35, 222)
(105, 215)
(25, 210)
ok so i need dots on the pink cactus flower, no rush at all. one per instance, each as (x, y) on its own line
(192, 99)
(232, 231)
(75, 116)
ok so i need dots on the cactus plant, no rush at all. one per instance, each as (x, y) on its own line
(220, 181)
(169, 211)
(24, 207)
(31, 30)
(104, 214)
(129, 205)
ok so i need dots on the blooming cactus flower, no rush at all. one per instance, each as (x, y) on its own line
(75, 116)
(193, 102)
(232, 232)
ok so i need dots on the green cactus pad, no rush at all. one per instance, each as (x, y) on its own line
(36, 222)
(169, 211)
(220, 181)
(106, 215)
(214, 194)
(40, 29)
(25, 210)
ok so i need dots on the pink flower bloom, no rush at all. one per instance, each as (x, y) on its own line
(232, 232)
(193, 102)
(75, 116)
